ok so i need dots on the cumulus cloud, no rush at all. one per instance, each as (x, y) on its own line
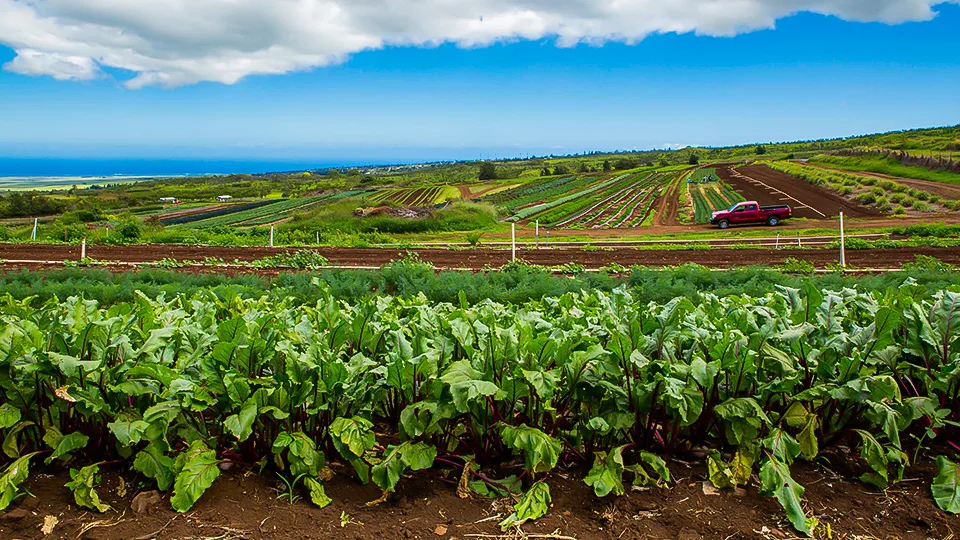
(178, 42)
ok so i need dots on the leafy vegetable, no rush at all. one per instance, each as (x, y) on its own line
(198, 468)
(946, 486)
(82, 485)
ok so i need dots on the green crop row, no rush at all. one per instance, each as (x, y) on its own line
(176, 387)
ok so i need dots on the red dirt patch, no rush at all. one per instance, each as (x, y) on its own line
(474, 259)
(668, 204)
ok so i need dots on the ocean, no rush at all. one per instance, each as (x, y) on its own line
(80, 168)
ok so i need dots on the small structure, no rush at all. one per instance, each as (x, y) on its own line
(224, 198)
(169, 200)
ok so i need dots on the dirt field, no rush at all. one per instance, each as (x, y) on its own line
(426, 506)
(668, 204)
(769, 187)
(475, 259)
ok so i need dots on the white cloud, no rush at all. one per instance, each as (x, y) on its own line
(177, 42)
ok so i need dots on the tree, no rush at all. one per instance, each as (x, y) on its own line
(623, 164)
(28, 204)
(488, 171)
(560, 168)
(606, 165)
(761, 150)
(694, 159)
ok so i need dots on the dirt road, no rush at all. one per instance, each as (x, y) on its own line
(32, 256)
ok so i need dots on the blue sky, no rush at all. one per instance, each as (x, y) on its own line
(813, 76)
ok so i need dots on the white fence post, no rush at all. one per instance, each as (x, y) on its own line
(36, 222)
(271, 236)
(83, 248)
(513, 241)
(548, 237)
(538, 234)
(778, 241)
(843, 244)
(318, 238)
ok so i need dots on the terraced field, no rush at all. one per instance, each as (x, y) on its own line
(259, 213)
(589, 201)
(625, 208)
(422, 196)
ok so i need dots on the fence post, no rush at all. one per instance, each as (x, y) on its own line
(798, 241)
(778, 241)
(83, 248)
(318, 238)
(513, 241)
(538, 234)
(548, 237)
(271, 236)
(36, 222)
(843, 244)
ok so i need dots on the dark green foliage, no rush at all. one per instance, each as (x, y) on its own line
(28, 204)
(488, 171)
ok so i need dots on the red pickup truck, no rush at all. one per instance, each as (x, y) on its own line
(751, 212)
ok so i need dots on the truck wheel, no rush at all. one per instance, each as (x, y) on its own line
(773, 221)
(724, 224)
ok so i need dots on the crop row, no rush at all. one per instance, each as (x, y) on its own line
(600, 202)
(593, 187)
(192, 218)
(554, 192)
(589, 203)
(699, 175)
(616, 207)
(175, 387)
(268, 211)
(307, 203)
(636, 214)
(502, 198)
(641, 211)
(421, 196)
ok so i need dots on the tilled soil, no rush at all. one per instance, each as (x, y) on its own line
(40, 255)
(822, 201)
(426, 506)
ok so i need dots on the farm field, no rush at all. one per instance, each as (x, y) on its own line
(425, 196)
(769, 187)
(570, 414)
(589, 202)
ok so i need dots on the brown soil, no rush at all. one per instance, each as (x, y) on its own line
(668, 204)
(426, 506)
(770, 187)
(474, 259)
